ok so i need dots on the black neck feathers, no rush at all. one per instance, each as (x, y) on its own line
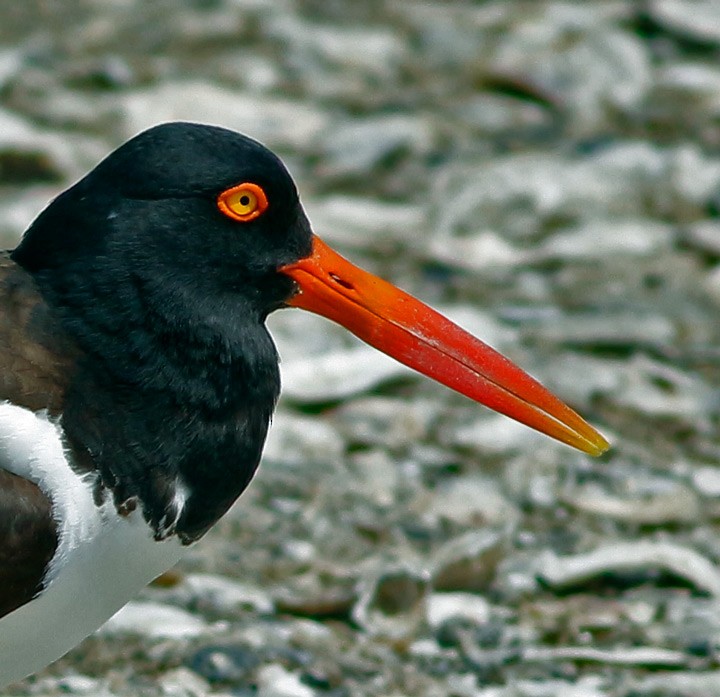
(173, 392)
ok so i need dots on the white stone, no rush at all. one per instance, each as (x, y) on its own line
(445, 606)
(155, 621)
(274, 681)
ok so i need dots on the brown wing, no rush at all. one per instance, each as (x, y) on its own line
(35, 367)
(36, 358)
(28, 539)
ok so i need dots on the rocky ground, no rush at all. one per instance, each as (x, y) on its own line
(548, 174)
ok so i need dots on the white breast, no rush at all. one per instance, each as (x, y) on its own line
(102, 559)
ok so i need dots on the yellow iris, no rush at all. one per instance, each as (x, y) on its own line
(243, 202)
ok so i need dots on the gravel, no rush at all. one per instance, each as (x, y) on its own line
(547, 173)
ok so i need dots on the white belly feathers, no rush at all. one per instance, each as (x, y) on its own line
(102, 559)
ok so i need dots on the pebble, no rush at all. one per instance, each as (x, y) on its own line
(705, 683)
(275, 681)
(220, 663)
(652, 657)
(679, 505)
(683, 562)
(491, 433)
(442, 607)
(182, 682)
(298, 335)
(469, 501)
(10, 64)
(579, 377)
(82, 685)
(468, 562)
(355, 222)
(154, 621)
(393, 423)
(711, 283)
(313, 600)
(501, 118)
(610, 239)
(704, 235)
(377, 478)
(219, 595)
(587, 686)
(698, 20)
(693, 178)
(361, 146)
(706, 481)
(18, 211)
(372, 51)
(392, 601)
(616, 329)
(481, 251)
(338, 375)
(659, 388)
(295, 440)
(28, 155)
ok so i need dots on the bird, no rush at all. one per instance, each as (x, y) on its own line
(138, 378)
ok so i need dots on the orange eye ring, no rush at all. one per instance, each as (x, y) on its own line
(243, 202)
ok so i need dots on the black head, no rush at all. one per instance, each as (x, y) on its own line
(152, 269)
(150, 211)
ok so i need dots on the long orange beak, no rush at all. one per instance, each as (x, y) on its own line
(406, 329)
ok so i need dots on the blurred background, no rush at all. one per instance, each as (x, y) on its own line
(548, 175)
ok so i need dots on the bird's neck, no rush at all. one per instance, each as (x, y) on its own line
(179, 403)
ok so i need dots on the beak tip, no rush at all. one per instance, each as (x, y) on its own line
(598, 446)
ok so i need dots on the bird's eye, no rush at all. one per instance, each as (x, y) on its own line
(243, 202)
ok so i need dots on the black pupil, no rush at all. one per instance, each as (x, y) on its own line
(245, 200)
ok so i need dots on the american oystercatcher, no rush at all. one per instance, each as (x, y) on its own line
(138, 378)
